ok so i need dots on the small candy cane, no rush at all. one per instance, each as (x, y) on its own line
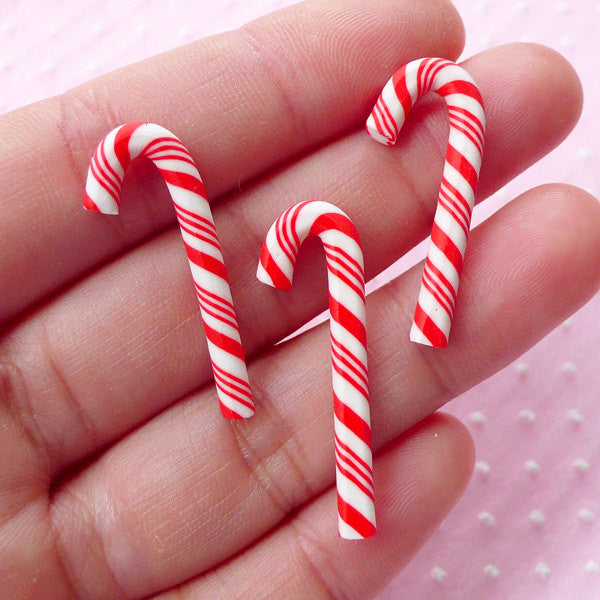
(439, 286)
(354, 474)
(102, 193)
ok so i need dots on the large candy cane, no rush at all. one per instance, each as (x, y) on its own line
(439, 286)
(354, 475)
(102, 193)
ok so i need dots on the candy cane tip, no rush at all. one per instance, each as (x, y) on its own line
(89, 204)
(109, 208)
(418, 337)
(245, 413)
(264, 277)
(347, 532)
(376, 135)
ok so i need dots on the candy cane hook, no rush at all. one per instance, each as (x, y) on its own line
(102, 194)
(439, 286)
(353, 457)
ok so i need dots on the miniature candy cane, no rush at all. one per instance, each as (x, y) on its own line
(439, 286)
(102, 193)
(354, 474)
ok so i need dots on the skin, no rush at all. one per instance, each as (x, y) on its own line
(119, 478)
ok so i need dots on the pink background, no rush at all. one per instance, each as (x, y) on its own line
(529, 524)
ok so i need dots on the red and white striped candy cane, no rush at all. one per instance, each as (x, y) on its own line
(102, 193)
(437, 297)
(352, 429)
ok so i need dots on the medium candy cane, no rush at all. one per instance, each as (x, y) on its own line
(439, 286)
(102, 193)
(354, 474)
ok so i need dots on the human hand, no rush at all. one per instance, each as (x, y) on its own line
(118, 476)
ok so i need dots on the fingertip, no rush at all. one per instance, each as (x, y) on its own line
(533, 99)
(418, 478)
(443, 457)
(573, 223)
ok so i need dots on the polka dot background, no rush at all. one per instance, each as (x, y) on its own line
(529, 524)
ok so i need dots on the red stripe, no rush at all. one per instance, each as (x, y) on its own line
(468, 129)
(116, 181)
(196, 235)
(100, 178)
(197, 217)
(434, 66)
(156, 157)
(289, 248)
(336, 221)
(466, 88)
(460, 126)
(356, 266)
(388, 126)
(430, 285)
(355, 519)
(241, 382)
(356, 383)
(385, 109)
(378, 122)
(446, 289)
(184, 180)
(357, 289)
(401, 90)
(278, 277)
(228, 413)
(164, 144)
(121, 143)
(224, 342)
(431, 331)
(204, 305)
(202, 238)
(462, 165)
(346, 376)
(474, 123)
(454, 207)
(227, 387)
(167, 140)
(206, 261)
(350, 357)
(456, 203)
(213, 300)
(348, 320)
(295, 211)
(421, 88)
(218, 299)
(354, 422)
(89, 203)
(447, 246)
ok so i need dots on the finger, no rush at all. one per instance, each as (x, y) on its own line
(135, 325)
(188, 477)
(418, 480)
(242, 102)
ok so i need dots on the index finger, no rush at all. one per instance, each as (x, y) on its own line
(242, 102)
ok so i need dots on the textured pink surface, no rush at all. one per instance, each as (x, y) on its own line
(529, 525)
